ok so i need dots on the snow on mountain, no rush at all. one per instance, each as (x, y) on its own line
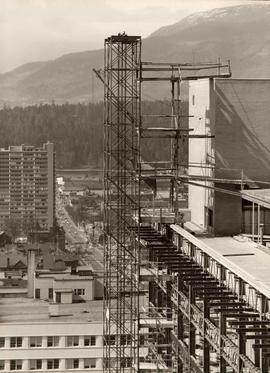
(239, 33)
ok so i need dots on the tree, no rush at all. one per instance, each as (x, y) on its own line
(13, 227)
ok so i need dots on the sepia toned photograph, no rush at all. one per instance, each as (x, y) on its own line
(135, 186)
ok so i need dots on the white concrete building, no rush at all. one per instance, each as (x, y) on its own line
(233, 116)
(63, 287)
(33, 337)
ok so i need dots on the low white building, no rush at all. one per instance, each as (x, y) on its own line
(63, 287)
(34, 336)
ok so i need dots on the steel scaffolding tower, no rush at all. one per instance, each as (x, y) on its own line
(122, 185)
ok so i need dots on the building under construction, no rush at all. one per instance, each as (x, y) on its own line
(177, 296)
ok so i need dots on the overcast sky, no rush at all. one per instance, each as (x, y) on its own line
(32, 30)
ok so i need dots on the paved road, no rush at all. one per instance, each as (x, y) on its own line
(74, 234)
(91, 252)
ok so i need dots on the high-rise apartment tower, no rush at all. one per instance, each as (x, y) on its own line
(27, 187)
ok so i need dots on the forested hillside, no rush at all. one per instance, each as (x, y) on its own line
(75, 129)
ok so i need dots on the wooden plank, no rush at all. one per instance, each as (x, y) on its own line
(254, 330)
(250, 322)
(257, 336)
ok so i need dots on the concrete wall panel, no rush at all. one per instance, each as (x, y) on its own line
(243, 128)
(200, 149)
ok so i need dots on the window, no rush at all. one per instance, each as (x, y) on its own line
(90, 340)
(126, 362)
(193, 99)
(35, 342)
(210, 218)
(110, 340)
(89, 363)
(79, 291)
(72, 341)
(15, 364)
(125, 340)
(107, 363)
(72, 363)
(52, 341)
(15, 342)
(58, 297)
(2, 364)
(35, 364)
(50, 293)
(2, 342)
(37, 293)
(69, 364)
(53, 364)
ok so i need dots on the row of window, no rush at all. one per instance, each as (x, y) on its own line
(36, 364)
(73, 341)
(52, 341)
(79, 291)
(50, 292)
(111, 363)
(124, 339)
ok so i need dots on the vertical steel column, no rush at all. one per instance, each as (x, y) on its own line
(169, 317)
(241, 336)
(206, 346)
(179, 149)
(192, 329)
(253, 221)
(172, 183)
(191, 295)
(122, 118)
(258, 222)
(176, 155)
(180, 326)
(222, 327)
(264, 363)
(179, 313)
(242, 350)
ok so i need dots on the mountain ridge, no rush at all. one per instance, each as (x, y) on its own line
(212, 15)
(239, 33)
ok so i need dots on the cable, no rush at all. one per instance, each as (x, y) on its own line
(221, 190)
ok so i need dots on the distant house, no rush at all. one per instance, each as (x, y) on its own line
(14, 264)
(59, 261)
(21, 240)
(71, 190)
(94, 185)
(4, 239)
(63, 287)
(60, 181)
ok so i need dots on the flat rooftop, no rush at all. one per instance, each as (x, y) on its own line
(65, 276)
(251, 260)
(259, 196)
(247, 259)
(24, 310)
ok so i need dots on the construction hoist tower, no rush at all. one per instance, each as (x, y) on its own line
(135, 337)
(122, 116)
